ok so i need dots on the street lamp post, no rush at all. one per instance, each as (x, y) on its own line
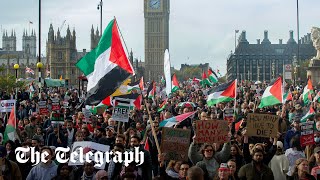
(100, 7)
(295, 65)
(16, 67)
(39, 66)
(273, 69)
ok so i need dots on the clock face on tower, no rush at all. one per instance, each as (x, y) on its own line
(154, 4)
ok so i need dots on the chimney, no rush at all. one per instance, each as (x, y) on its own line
(258, 41)
(85, 50)
(291, 40)
(243, 38)
(280, 41)
(265, 34)
(265, 39)
(291, 34)
(309, 38)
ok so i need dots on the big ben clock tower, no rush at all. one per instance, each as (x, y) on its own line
(156, 41)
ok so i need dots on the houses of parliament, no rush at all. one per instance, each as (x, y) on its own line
(61, 55)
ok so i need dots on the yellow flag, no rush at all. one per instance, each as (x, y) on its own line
(123, 89)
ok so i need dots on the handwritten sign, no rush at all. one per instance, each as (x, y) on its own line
(175, 143)
(55, 104)
(262, 125)
(43, 109)
(212, 131)
(306, 137)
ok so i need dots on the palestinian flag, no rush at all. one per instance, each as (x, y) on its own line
(309, 114)
(106, 66)
(151, 91)
(196, 80)
(238, 125)
(135, 86)
(287, 97)
(205, 81)
(317, 97)
(137, 102)
(307, 91)
(212, 76)
(146, 145)
(163, 105)
(104, 104)
(175, 120)
(175, 83)
(273, 94)
(10, 132)
(222, 93)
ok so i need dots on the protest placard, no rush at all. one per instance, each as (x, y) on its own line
(55, 104)
(87, 146)
(262, 125)
(43, 108)
(307, 137)
(57, 118)
(212, 131)
(6, 105)
(228, 114)
(87, 114)
(175, 143)
(121, 110)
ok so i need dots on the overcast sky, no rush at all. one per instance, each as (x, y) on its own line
(200, 30)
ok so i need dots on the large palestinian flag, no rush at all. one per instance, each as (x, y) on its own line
(273, 94)
(222, 93)
(10, 132)
(106, 66)
(307, 91)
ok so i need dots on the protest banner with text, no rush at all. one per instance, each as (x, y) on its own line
(55, 104)
(57, 118)
(43, 108)
(212, 131)
(6, 105)
(121, 110)
(307, 137)
(262, 125)
(175, 143)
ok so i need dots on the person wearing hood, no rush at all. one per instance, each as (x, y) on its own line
(279, 164)
(44, 171)
(294, 132)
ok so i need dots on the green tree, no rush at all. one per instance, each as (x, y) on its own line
(8, 83)
(188, 72)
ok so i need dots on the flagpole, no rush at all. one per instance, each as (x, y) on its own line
(235, 101)
(152, 128)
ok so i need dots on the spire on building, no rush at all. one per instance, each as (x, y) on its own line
(243, 38)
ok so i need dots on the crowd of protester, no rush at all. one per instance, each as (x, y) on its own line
(243, 157)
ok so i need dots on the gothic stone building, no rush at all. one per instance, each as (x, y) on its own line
(259, 61)
(27, 57)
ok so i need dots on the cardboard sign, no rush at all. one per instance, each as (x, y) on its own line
(43, 109)
(212, 131)
(262, 125)
(55, 105)
(307, 137)
(121, 110)
(6, 105)
(57, 118)
(87, 146)
(175, 143)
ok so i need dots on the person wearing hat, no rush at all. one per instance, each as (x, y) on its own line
(279, 164)
(223, 173)
(10, 169)
(293, 132)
